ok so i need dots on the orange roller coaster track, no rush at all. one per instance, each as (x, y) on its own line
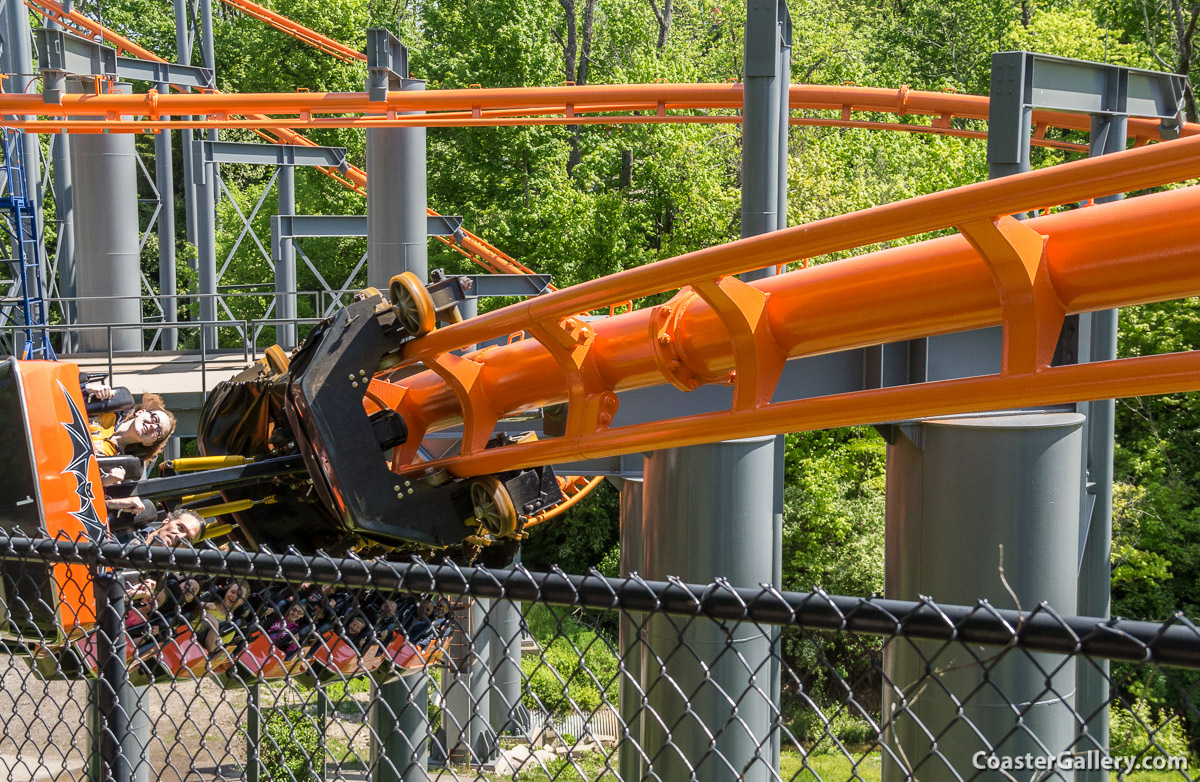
(1024, 276)
(298, 31)
(593, 104)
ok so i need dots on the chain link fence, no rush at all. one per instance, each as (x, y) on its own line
(138, 663)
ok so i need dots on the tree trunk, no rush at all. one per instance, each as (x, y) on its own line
(578, 42)
(626, 168)
(665, 16)
(1184, 27)
(569, 45)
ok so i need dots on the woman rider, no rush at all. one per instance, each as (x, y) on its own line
(142, 432)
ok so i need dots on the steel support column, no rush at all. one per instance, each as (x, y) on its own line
(761, 122)
(205, 190)
(785, 83)
(285, 266)
(396, 202)
(399, 717)
(508, 714)
(981, 506)
(64, 194)
(183, 53)
(1095, 573)
(396, 242)
(164, 178)
(630, 747)
(467, 718)
(108, 269)
(705, 515)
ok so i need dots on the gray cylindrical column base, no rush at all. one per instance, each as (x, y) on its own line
(466, 715)
(508, 714)
(107, 269)
(707, 512)
(967, 488)
(629, 750)
(400, 718)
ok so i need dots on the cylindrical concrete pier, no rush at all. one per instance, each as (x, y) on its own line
(980, 507)
(708, 712)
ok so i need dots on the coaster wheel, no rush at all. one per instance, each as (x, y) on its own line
(277, 360)
(367, 293)
(493, 507)
(412, 304)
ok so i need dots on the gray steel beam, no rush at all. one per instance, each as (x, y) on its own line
(761, 121)
(62, 54)
(466, 716)
(705, 516)
(108, 269)
(164, 177)
(170, 73)
(60, 153)
(1109, 134)
(960, 492)
(387, 60)
(296, 226)
(273, 154)
(1024, 81)
(64, 196)
(1010, 114)
(785, 83)
(285, 264)
(508, 284)
(183, 53)
(205, 187)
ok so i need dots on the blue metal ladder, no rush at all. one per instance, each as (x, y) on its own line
(20, 223)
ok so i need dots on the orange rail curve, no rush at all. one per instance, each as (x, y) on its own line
(473, 247)
(1024, 276)
(298, 31)
(532, 105)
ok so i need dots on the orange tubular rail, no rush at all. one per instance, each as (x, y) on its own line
(593, 104)
(298, 31)
(1025, 276)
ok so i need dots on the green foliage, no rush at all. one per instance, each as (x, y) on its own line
(581, 538)
(1141, 730)
(577, 669)
(291, 748)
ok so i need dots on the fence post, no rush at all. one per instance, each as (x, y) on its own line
(323, 722)
(253, 731)
(112, 733)
(629, 693)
